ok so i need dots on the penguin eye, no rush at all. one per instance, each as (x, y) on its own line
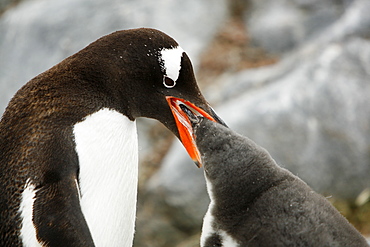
(168, 82)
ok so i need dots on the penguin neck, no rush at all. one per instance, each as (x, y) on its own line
(212, 233)
(107, 148)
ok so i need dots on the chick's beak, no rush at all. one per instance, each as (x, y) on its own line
(184, 125)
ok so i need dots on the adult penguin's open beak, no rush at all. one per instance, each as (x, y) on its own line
(184, 126)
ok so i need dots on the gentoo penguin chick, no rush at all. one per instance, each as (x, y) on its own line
(254, 202)
(68, 142)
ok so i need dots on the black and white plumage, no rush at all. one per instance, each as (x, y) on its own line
(254, 202)
(68, 142)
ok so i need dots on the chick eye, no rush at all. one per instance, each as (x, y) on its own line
(168, 82)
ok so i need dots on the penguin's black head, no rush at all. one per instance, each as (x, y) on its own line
(149, 75)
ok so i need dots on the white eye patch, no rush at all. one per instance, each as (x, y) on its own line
(170, 60)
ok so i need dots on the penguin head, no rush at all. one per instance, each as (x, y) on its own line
(222, 150)
(149, 75)
(215, 143)
(227, 156)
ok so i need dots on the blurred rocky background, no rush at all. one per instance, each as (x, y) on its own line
(293, 75)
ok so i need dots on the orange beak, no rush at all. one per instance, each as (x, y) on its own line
(184, 126)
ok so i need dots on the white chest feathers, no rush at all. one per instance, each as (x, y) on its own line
(107, 148)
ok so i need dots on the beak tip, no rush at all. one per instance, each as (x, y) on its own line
(197, 163)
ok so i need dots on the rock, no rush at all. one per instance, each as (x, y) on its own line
(282, 25)
(181, 184)
(36, 35)
(310, 111)
(5, 4)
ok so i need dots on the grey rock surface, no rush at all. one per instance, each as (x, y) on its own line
(5, 4)
(282, 25)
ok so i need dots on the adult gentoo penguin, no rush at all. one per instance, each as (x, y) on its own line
(68, 142)
(254, 202)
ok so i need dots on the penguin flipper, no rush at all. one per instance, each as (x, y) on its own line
(57, 215)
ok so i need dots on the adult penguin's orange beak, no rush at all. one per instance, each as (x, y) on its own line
(184, 125)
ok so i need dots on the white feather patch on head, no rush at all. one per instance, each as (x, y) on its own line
(171, 59)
